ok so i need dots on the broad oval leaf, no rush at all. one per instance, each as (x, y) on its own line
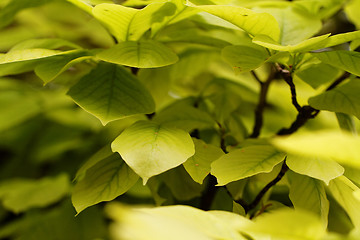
(309, 194)
(110, 92)
(307, 45)
(346, 60)
(251, 22)
(288, 224)
(245, 58)
(150, 148)
(245, 162)
(345, 193)
(105, 177)
(175, 223)
(340, 146)
(198, 166)
(20, 61)
(316, 167)
(344, 99)
(19, 195)
(127, 23)
(141, 54)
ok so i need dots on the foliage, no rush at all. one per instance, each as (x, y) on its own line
(201, 119)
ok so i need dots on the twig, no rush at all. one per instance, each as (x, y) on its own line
(286, 75)
(256, 77)
(259, 111)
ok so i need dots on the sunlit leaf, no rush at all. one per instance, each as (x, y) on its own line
(106, 176)
(82, 4)
(127, 23)
(150, 148)
(52, 68)
(340, 146)
(288, 224)
(246, 19)
(344, 99)
(307, 45)
(352, 13)
(110, 92)
(198, 166)
(346, 60)
(317, 74)
(245, 162)
(45, 43)
(184, 116)
(175, 12)
(316, 167)
(343, 190)
(295, 26)
(19, 61)
(19, 195)
(245, 58)
(309, 194)
(174, 222)
(142, 54)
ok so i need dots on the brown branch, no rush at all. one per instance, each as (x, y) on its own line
(259, 111)
(256, 201)
(286, 75)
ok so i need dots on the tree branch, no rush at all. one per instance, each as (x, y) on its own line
(259, 111)
(338, 81)
(286, 75)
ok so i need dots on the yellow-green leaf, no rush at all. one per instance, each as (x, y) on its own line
(245, 162)
(110, 92)
(198, 166)
(340, 146)
(251, 22)
(316, 167)
(105, 177)
(150, 148)
(344, 99)
(309, 194)
(142, 54)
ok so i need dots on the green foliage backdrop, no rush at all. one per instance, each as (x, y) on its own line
(174, 119)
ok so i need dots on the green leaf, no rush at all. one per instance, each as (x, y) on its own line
(51, 69)
(346, 60)
(251, 22)
(82, 4)
(20, 61)
(316, 167)
(245, 162)
(341, 38)
(129, 24)
(317, 74)
(288, 224)
(295, 27)
(309, 194)
(344, 99)
(304, 46)
(142, 54)
(198, 166)
(184, 116)
(18, 103)
(181, 185)
(346, 122)
(170, 13)
(351, 10)
(147, 146)
(106, 177)
(343, 190)
(110, 92)
(340, 146)
(174, 222)
(45, 43)
(19, 195)
(245, 58)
